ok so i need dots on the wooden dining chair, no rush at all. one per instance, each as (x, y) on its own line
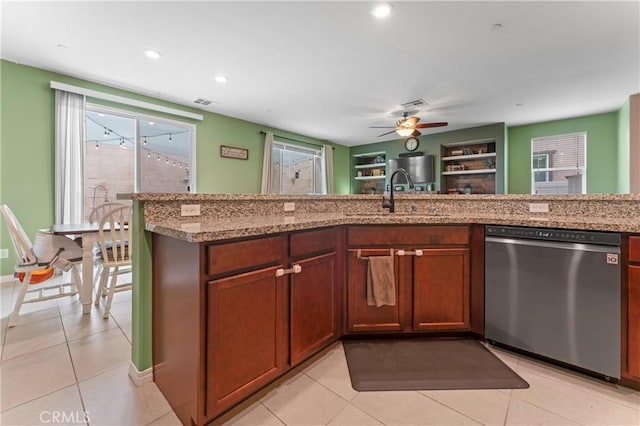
(95, 216)
(35, 264)
(115, 242)
(101, 210)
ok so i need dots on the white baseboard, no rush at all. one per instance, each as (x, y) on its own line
(140, 377)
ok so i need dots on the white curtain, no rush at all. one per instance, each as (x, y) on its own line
(267, 162)
(327, 155)
(69, 157)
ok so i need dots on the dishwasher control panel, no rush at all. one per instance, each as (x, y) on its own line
(549, 234)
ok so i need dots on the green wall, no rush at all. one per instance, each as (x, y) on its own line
(602, 151)
(27, 152)
(430, 145)
(624, 148)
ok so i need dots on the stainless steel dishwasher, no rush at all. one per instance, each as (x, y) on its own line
(555, 293)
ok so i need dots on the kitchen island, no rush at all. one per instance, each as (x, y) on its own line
(237, 301)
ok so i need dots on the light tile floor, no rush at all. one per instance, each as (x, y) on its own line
(61, 367)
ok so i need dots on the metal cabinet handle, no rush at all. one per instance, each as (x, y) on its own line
(296, 269)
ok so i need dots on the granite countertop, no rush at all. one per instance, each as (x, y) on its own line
(221, 229)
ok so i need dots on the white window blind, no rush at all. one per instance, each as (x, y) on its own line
(559, 164)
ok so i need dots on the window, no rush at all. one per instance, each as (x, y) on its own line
(125, 152)
(296, 170)
(558, 164)
(540, 161)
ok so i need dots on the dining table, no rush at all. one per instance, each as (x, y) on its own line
(89, 233)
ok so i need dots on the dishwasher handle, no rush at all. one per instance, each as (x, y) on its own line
(555, 244)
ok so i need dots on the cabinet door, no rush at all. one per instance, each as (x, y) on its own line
(441, 290)
(313, 320)
(246, 335)
(633, 322)
(361, 316)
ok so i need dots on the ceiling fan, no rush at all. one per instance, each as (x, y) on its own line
(408, 126)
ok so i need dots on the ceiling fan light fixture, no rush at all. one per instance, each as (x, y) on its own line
(405, 131)
(381, 10)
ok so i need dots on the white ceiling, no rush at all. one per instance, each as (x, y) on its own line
(330, 70)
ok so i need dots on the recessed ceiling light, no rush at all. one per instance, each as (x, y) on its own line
(61, 46)
(152, 54)
(381, 10)
(496, 26)
(220, 78)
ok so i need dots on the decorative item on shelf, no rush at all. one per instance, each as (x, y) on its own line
(456, 167)
(376, 172)
(452, 190)
(467, 189)
(491, 163)
(359, 173)
(379, 159)
(455, 152)
(466, 151)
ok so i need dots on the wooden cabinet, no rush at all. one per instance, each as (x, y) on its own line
(432, 279)
(246, 335)
(314, 320)
(631, 369)
(441, 288)
(315, 292)
(360, 315)
(231, 316)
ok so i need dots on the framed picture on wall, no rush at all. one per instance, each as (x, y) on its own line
(232, 152)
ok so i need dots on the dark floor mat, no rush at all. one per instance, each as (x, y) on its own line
(426, 364)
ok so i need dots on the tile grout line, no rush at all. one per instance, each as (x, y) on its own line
(449, 408)
(75, 374)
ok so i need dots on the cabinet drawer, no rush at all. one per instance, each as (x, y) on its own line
(407, 235)
(634, 249)
(308, 242)
(244, 255)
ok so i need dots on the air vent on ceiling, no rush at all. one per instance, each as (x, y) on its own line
(418, 103)
(202, 101)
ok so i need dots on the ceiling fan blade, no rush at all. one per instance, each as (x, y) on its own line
(388, 133)
(426, 125)
(415, 133)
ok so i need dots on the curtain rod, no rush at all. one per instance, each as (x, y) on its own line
(295, 140)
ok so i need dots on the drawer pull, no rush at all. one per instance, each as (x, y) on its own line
(295, 270)
(409, 253)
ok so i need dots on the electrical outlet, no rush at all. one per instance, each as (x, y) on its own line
(538, 207)
(4, 253)
(289, 207)
(190, 210)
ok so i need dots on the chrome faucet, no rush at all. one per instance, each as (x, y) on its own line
(391, 204)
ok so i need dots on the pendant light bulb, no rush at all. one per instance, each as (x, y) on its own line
(145, 141)
(170, 140)
(148, 154)
(96, 144)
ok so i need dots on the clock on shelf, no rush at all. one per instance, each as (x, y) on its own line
(411, 144)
